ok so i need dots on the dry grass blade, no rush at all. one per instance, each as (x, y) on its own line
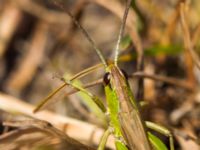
(12, 135)
(46, 126)
(195, 35)
(169, 80)
(30, 62)
(186, 136)
(186, 140)
(186, 32)
(72, 127)
(171, 24)
(40, 12)
(10, 19)
(24, 138)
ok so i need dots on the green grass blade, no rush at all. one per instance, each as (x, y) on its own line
(120, 146)
(156, 142)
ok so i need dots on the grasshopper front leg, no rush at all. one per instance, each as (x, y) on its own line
(161, 130)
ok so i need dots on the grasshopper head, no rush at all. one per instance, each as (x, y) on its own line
(107, 75)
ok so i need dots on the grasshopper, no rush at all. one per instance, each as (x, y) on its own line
(125, 121)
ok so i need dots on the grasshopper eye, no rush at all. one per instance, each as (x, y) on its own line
(106, 78)
(124, 73)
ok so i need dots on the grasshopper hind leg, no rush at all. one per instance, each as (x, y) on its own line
(163, 131)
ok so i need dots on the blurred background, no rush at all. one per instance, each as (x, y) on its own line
(39, 45)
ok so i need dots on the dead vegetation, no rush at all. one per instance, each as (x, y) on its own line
(38, 41)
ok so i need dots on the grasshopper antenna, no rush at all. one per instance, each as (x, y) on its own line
(90, 40)
(121, 31)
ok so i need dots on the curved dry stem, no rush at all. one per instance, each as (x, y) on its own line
(169, 80)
